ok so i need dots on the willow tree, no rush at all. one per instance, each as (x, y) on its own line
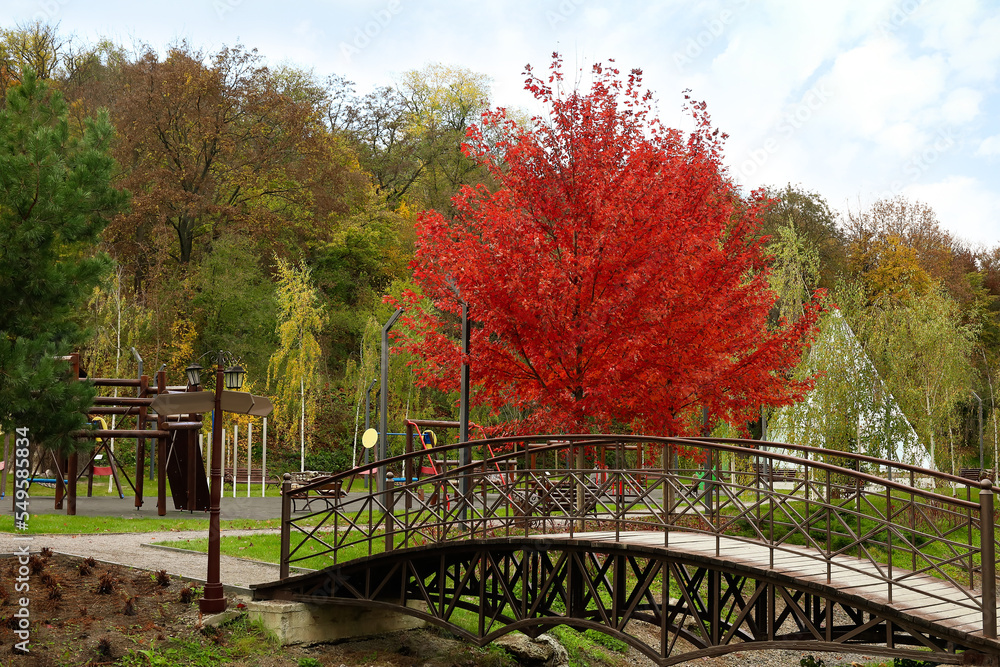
(293, 371)
(924, 350)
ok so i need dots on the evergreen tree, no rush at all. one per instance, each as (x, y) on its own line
(55, 198)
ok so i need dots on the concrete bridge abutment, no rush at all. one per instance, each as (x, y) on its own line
(305, 623)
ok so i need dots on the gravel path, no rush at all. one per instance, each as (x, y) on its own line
(132, 549)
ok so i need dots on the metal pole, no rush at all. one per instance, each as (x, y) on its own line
(464, 455)
(368, 414)
(286, 517)
(988, 559)
(214, 600)
(383, 418)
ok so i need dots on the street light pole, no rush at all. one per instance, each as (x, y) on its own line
(383, 423)
(214, 600)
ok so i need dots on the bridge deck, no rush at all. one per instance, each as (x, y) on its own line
(923, 600)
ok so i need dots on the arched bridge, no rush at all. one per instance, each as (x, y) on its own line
(709, 546)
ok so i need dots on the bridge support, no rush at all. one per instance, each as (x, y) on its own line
(303, 623)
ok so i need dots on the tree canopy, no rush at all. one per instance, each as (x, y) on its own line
(616, 276)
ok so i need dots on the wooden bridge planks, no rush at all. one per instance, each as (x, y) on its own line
(921, 596)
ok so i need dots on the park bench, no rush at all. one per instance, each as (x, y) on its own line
(550, 496)
(256, 477)
(775, 474)
(976, 474)
(330, 494)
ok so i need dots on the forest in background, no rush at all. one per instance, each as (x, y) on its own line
(272, 208)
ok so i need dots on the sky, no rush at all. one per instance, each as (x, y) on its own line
(854, 100)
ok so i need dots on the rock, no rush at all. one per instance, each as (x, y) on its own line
(542, 652)
(560, 657)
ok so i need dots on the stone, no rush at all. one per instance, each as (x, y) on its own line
(542, 652)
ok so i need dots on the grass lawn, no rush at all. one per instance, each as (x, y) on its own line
(41, 524)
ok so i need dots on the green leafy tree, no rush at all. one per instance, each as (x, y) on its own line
(850, 408)
(234, 303)
(814, 223)
(55, 198)
(924, 351)
(293, 372)
(794, 271)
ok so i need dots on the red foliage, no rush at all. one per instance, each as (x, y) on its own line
(615, 277)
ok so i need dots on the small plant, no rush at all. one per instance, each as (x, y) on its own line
(49, 580)
(163, 579)
(811, 661)
(106, 584)
(85, 570)
(36, 564)
(104, 648)
(187, 595)
(46, 552)
(130, 605)
(55, 592)
(90, 561)
(214, 633)
(309, 662)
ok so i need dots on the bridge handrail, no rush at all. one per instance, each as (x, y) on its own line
(739, 447)
(438, 523)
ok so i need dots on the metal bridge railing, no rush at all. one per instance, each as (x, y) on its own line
(825, 504)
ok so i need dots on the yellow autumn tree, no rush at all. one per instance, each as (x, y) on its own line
(293, 371)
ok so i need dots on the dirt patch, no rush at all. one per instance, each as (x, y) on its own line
(90, 613)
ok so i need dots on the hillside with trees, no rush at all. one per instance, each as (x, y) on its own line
(270, 210)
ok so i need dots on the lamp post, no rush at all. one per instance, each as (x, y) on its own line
(213, 600)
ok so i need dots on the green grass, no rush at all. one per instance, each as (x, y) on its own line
(41, 524)
(237, 640)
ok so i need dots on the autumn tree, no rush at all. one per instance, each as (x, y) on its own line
(409, 136)
(55, 198)
(898, 240)
(616, 276)
(218, 146)
(36, 46)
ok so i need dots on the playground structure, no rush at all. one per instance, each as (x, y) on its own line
(170, 444)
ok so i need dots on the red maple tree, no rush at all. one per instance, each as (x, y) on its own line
(615, 276)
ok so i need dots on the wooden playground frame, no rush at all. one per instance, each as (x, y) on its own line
(177, 453)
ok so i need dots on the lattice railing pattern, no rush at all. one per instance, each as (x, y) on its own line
(892, 520)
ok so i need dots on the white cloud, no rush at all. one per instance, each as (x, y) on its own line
(990, 146)
(964, 206)
(877, 84)
(961, 105)
(968, 33)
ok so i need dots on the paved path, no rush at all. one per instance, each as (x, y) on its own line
(128, 549)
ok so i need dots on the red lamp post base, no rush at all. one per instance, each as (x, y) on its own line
(213, 601)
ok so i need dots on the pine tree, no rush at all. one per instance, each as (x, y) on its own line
(55, 198)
